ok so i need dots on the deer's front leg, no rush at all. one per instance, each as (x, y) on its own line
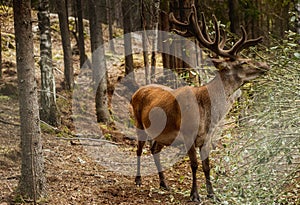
(194, 165)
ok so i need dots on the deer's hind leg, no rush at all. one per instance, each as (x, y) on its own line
(155, 150)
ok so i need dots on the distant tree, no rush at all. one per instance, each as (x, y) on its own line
(234, 17)
(155, 20)
(66, 44)
(0, 52)
(181, 10)
(49, 111)
(80, 32)
(282, 17)
(165, 26)
(110, 22)
(32, 180)
(297, 7)
(127, 28)
(145, 27)
(98, 60)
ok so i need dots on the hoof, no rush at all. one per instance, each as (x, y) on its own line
(138, 180)
(213, 197)
(195, 197)
(163, 185)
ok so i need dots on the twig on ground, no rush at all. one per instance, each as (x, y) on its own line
(9, 123)
(8, 186)
(88, 139)
(50, 126)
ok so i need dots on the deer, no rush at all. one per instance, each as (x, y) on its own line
(191, 115)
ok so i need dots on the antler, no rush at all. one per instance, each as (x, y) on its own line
(195, 28)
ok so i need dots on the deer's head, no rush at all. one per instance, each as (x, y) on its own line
(241, 70)
(231, 66)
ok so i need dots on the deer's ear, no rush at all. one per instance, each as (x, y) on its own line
(220, 63)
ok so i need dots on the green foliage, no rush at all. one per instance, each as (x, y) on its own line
(260, 163)
(47, 129)
(64, 132)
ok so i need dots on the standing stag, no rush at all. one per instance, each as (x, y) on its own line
(190, 115)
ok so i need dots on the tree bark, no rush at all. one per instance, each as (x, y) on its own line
(80, 33)
(155, 11)
(297, 22)
(181, 10)
(66, 44)
(98, 61)
(32, 180)
(49, 111)
(234, 16)
(165, 26)
(144, 28)
(110, 26)
(126, 10)
(0, 52)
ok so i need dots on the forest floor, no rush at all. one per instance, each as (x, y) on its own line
(73, 175)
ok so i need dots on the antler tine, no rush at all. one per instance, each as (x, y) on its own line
(185, 33)
(236, 47)
(224, 39)
(179, 23)
(204, 28)
(249, 43)
(185, 25)
(206, 41)
(244, 43)
(217, 35)
(198, 29)
(200, 34)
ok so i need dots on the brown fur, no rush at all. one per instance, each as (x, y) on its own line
(189, 115)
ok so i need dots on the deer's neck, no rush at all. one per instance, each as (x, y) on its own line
(224, 85)
(222, 94)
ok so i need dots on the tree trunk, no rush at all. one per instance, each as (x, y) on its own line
(118, 15)
(165, 26)
(285, 18)
(144, 28)
(80, 33)
(32, 180)
(181, 10)
(0, 53)
(102, 11)
(297, 6)
(255, 21)
(98, 61)
(49, 112)
(176, 8)
(126, 10)
(155, 11)
(234, 16)
(110, 26)
(66, 44)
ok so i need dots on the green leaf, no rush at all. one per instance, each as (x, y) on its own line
(297, 55)
(293, 19)
(292, 44)
(274, 48)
